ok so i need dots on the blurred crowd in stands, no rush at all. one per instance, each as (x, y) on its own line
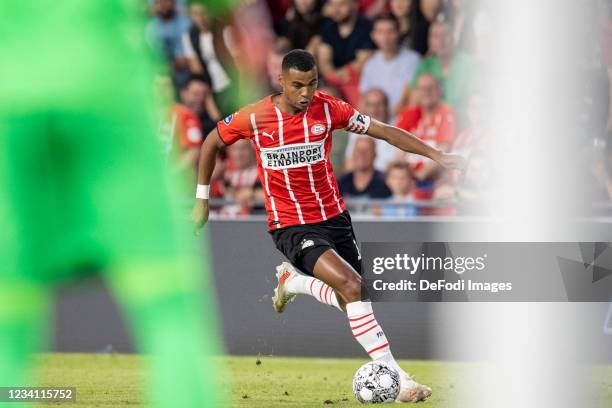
(410, 63)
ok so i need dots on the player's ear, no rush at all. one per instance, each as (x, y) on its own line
(281, 80)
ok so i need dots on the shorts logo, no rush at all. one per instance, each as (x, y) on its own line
(292, 156)
(317, 129)
(228, 119)
(307, 243)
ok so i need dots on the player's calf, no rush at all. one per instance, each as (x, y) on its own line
(349, 289)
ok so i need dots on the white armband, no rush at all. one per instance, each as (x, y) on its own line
(202, 191)
(358, 123)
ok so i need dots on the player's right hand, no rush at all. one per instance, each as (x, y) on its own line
(453, 161)
(199, 215)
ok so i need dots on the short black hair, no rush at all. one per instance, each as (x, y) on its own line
(298, 59)
(194, 78)
(387, 17)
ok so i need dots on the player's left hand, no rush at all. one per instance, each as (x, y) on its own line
(452, 161)
(199, 215)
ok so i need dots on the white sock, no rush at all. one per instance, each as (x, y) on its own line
(307, 285)
(368, 332)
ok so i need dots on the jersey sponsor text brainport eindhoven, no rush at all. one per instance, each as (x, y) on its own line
(293, 155)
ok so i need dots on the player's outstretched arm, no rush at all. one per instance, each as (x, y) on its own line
(408, 142)
(206, 165)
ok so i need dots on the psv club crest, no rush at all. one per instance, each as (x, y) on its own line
(317, 129)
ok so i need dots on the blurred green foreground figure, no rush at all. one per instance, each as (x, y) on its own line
(82, 186)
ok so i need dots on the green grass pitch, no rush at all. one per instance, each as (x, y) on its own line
(115, 380)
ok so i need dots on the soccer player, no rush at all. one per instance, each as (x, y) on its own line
(307, 219)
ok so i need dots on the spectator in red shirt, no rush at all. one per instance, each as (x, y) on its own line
(241, 184)
(181, 132)
(372, 8)
(185, 131)
(433, 122)
(198, 97)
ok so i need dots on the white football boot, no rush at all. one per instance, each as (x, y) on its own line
(410, 390)
(284, 273)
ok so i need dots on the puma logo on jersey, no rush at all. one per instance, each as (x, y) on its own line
(270, 135)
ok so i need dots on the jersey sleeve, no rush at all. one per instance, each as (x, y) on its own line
(234, 127)
(344, 116)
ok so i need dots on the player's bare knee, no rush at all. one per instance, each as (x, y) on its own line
(350, 289)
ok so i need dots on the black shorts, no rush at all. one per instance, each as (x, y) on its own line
(304, 244)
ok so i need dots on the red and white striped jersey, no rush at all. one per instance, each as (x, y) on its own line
(293, 155)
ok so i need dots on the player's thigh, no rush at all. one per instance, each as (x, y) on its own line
(348, 249)
(344, 241)
(332, 269)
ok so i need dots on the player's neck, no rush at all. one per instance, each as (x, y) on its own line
(283, 104)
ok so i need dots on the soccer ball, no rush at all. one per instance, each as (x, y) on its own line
(376, 382)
